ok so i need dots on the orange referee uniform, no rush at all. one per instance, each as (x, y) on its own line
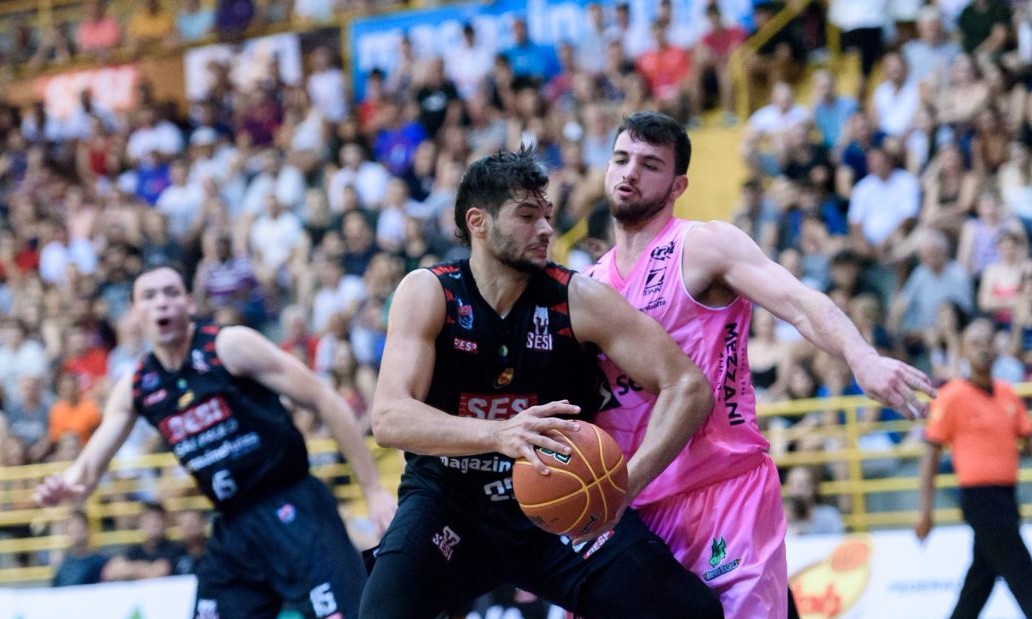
(982, 428)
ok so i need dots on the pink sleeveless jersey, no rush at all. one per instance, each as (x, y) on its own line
(729, 442)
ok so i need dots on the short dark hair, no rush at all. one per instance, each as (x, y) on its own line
(490, 181)
(157, 266)
(658, 129)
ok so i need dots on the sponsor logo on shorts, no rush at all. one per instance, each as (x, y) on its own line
(446, 541)
(599, 541)
(207, 609)
(718, 552)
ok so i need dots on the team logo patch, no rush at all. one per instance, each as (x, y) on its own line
(150, 380)
(185, 399)
(446, 541)
(540, 338)
(199, 363)
(155, 397)
(286, 513)
(718, 552)
(504, 378)
(465, 316)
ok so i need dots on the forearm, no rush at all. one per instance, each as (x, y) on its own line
(416, 427)
(343, 427)
(929, 466)
(828, 328)
(679, 411)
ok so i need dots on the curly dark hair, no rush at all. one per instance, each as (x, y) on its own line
(491, 181)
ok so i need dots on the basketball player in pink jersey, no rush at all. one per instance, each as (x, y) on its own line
(718, 505)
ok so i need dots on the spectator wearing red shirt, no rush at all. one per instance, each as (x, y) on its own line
(98, 32)
(85, 360)
(296, 339)
(712, 57)
(667, 70)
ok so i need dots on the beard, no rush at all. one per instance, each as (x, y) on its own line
(505, 251)
(630, 213)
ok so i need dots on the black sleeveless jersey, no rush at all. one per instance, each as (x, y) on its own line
(489, 367)
(232, 434)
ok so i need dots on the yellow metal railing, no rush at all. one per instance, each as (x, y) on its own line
(109, 501)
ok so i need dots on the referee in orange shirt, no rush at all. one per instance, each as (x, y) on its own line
(981, 419)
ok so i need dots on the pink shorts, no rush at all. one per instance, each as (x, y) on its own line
(731, 534)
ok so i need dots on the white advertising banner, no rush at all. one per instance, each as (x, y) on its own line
(887, 575)
(162, 598)
(882, 575)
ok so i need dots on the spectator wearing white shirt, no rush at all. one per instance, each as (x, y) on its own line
(314, 11)
(326, 86)
(153, 135)
(276, 238)
(468, 64)
(390, 223)
(936, 280)
(591, 48)
(930, 56)
(59, 253)
(40, 126)
(337, 293)
(369, 178)
(882, 206)
(284, 181)
(634, 38)
(897, 98)
(780, 115)
(180, 202)
(19, 355)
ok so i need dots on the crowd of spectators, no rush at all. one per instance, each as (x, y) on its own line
(296, 209)
(908, 202)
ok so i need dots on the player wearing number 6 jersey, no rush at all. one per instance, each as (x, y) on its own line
(214, 394)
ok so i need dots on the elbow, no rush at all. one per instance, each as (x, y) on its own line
(700, 393)
(384, 427)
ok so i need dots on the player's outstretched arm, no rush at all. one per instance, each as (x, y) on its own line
(729, 255)
(79, 479)
(401, 418)
(640, 346)
(245, 352)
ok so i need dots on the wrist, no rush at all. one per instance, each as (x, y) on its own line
(858, 354)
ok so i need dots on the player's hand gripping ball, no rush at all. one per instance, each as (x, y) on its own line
(585, 488)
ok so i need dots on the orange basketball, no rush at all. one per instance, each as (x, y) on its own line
(585, 488)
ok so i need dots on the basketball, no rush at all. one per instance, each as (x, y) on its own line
(585, 488)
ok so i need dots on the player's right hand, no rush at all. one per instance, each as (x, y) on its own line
(923, 527)
(54, 489)
(520, 436)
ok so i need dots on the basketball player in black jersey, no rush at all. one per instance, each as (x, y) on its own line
(483, 358)
(214, 396)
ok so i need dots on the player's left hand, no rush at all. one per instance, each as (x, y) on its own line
(894, 384)
(382, 506)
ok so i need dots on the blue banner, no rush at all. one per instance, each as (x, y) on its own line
(374, 41)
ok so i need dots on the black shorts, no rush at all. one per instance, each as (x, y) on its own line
(869, 42)
(290, 549)
(436, 556)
